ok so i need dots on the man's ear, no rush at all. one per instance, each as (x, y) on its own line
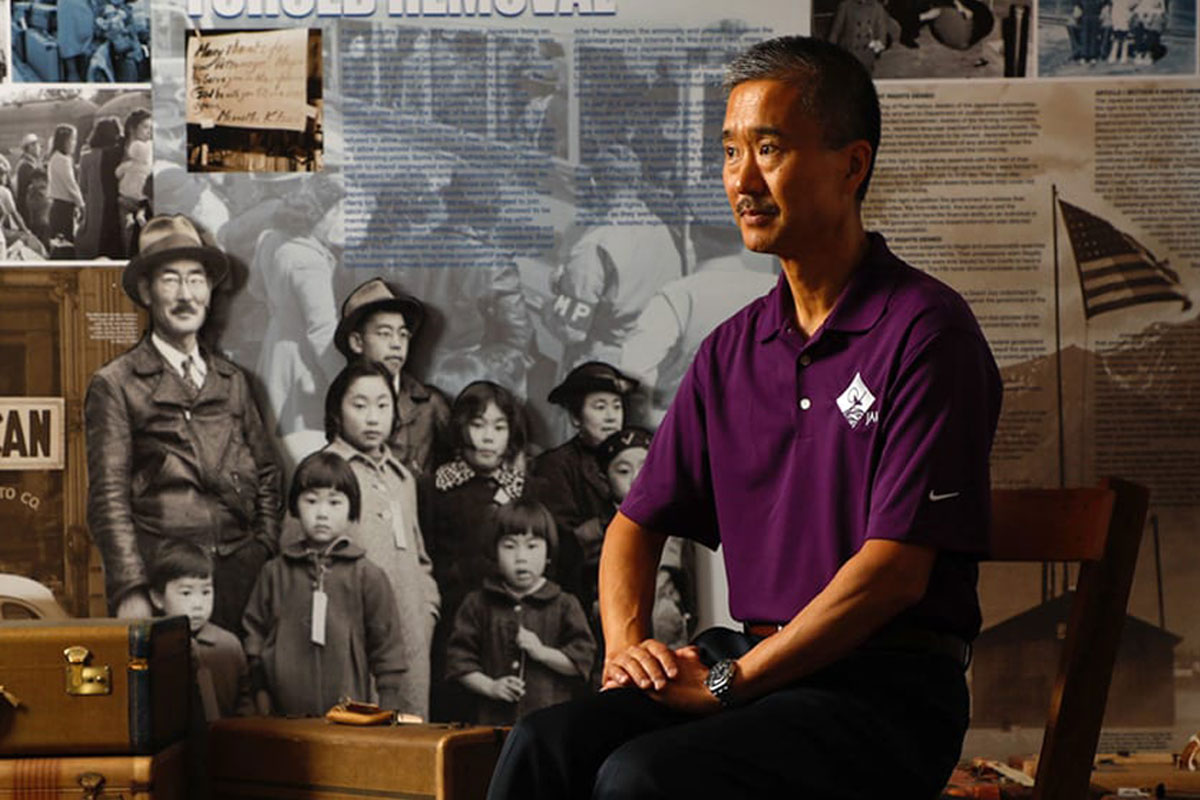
(355, 343)
(157, 600)
(859, 162)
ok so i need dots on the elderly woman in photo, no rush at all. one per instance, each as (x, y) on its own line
(595, 395)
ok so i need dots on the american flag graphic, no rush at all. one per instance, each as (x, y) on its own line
(1115, 270)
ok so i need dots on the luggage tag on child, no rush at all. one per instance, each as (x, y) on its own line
(399, 524)
(320, 605)
(320, 602)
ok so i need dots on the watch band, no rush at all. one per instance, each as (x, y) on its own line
(719, 681)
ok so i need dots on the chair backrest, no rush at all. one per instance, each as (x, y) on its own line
(1101, 528)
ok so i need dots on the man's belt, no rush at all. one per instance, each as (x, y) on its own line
(907, 639)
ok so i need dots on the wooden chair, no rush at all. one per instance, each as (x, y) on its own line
(1101, 528)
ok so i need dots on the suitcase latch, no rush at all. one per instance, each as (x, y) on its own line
(82, 679)
(92, 784)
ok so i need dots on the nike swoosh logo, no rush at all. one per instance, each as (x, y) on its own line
(934, 496)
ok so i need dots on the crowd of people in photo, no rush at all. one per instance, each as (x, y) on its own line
(73, 41)
(426, 557)
(1117, 31)
(80, 200)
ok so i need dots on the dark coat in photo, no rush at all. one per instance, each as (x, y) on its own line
(577, 493)
(362, 632)
(166, 461)
(484, 639)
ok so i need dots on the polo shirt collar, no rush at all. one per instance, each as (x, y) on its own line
(859, 307)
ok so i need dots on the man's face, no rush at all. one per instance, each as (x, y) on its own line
(186, 597)
(788, 191)
(384, 338)
(177, 294)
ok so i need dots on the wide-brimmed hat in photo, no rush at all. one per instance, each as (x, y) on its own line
(375, 295)
(167, 238)
(29, 139)
(593, 376)
(622, 440)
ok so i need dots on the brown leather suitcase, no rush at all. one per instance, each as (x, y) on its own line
(93, 686)
(157, 777)
(259, 757)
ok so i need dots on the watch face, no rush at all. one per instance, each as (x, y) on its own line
(720, 674)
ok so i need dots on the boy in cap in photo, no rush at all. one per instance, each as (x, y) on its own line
(176, 447)
(378, 323)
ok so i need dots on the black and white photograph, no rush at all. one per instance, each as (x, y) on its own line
(1093, 38)
(929, 38)
(254, 100)
(76, 171)
(423, 362)
(80, 41)
(6, 45)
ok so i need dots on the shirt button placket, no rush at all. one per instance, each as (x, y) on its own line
(805, 402)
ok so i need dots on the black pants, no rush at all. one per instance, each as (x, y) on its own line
(62, 219)
(876, 724)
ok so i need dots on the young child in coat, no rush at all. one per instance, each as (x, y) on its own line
(520, 643)
(322, 621)
(181, 584)
(360, 417)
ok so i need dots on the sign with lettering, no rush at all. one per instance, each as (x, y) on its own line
(32, 433)
(249, 79)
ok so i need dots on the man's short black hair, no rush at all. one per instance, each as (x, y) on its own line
(325, 470)
(839, 93)
(179, 558)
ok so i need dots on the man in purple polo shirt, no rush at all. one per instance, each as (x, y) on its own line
(833, 436)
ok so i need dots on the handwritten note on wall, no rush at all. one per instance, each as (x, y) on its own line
(248, 79)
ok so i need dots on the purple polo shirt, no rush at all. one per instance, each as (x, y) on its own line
(792, 453)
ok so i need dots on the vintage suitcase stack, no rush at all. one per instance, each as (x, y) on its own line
(302, 759)
(94, 708)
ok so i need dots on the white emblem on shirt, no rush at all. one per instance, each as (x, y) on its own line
(934, 496)
(855, 401)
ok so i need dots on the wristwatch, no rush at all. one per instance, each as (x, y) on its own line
(719, 681)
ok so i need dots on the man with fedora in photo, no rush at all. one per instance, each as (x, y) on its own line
(176, 447)
(378, 323)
